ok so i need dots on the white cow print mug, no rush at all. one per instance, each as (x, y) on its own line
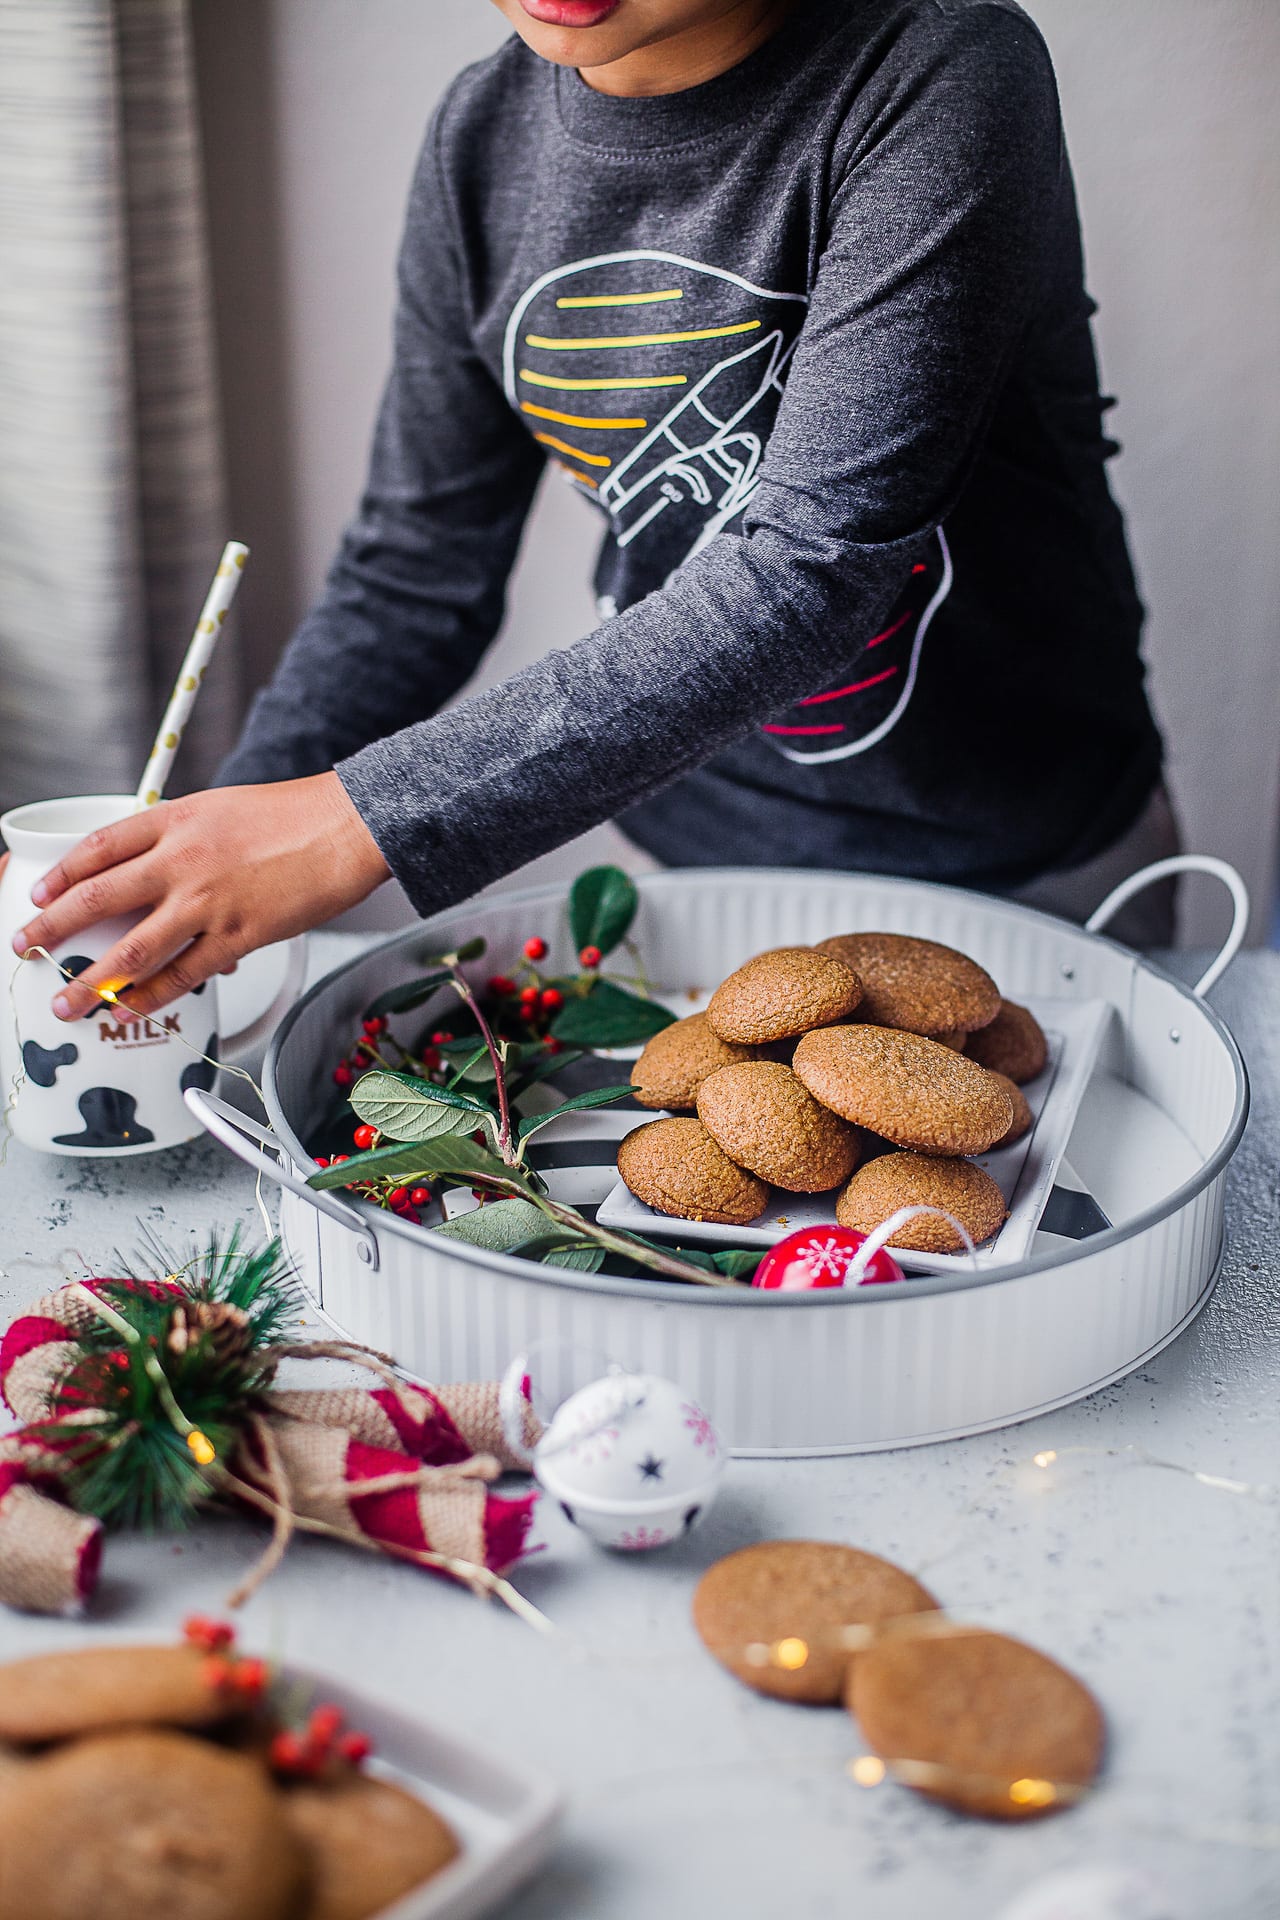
(107, 1083)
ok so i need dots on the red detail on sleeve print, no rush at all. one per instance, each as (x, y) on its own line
(802, 729)
(838, 693)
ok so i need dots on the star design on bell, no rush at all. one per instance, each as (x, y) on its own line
(650, 1469)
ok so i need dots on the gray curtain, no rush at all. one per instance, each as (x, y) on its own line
(111, 503)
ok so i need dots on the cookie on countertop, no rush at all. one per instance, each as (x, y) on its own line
(767, 1122)
(57, 1696)
(916, 985)
(1003, 1724)
(783, 993)
(802, 1590)
(923, 1180)
(369, 1844)
(676, 1061)
(908, 1088)
(147, 1825)
(1014, 1044)
(1023, 1117)
(676, 1167)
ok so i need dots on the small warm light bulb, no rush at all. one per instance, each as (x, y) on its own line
(202, 1447)
(1033, 1793)
(791, 1654)
(867, 1770)
(1047, 1458)
(108, 994)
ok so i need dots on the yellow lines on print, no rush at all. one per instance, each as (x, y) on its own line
(577, 419)
(620, 299)
(638, 339)
(583, 479)
(600, 386)
(562, 446)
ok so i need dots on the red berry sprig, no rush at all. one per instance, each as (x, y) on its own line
(301, 1756)
(224, 1670)
(590, 958)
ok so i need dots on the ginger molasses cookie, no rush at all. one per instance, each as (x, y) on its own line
(916, 985)
(676, 1167)
(1022, 1114)
(55, 1696)
(923, 1180)
(802, 1591)
(782, 993)
(147, 1825)
(1010, 1732)
(913, 1091)
(676, 1061)
(369, 1844)
(766, 1121)
(1014, 1044)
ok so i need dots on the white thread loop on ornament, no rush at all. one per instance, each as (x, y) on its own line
(511, 1396)
(879, 1239)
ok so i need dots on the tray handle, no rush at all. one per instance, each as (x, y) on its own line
(1185, 863)
(237, 1132)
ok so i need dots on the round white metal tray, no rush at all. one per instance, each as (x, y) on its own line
(838, 1370)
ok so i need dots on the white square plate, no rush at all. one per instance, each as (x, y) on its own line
(1024, 1172)
(505, 1819)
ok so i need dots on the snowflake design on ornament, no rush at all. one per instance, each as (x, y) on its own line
(825, 1259)
(699, 1426)
(642, 1537)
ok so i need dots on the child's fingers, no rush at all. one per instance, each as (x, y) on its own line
(127, 967)
(120, 890)
(205, 956)
(106, 847)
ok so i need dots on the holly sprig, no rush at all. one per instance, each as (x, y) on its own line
(446, 1112)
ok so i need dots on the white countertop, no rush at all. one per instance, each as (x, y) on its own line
(691, 1798)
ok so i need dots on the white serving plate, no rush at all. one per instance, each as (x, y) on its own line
(843, 1369)
(504, 1817)
(1024, 1172)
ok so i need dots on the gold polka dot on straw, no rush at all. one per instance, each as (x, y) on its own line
(213, 614)
(171, 739)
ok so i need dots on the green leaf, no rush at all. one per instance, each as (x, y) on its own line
(470, 951)
(414, 993)
(609, 1016)
(520, 1228)
(602, 905)
(601, 1097)
(737, 1260)
(455, 1157)
(408, 1109)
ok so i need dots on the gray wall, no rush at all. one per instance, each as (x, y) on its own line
(313, 113)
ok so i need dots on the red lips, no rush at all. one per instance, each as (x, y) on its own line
(570, 13)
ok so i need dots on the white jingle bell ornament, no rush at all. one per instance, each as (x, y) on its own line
(631, 1459)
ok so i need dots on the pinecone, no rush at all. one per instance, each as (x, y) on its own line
(223, 1330)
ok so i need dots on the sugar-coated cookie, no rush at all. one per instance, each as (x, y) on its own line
(1014, 1044)
(1022, 1115)
(896, 1180)
(766, 1121)
(803, 1591)
(783, 993)
(919, 986)
(676, 1167)
(676, 1061)
(908, 1088)
(1005, 1727)
(369, 1844)
(147, 1825)
(55, 1696)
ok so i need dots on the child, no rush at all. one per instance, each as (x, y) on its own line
(791, 291)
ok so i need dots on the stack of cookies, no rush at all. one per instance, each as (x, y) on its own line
(139, 1783)
(873, 1063)
(969, 1717)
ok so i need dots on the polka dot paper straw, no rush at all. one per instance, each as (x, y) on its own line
(203, 641)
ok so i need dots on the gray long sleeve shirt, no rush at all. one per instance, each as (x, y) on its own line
(813, 338)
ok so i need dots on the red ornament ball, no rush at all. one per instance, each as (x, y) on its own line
(820, 1257)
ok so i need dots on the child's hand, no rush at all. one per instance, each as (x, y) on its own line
(215, 875)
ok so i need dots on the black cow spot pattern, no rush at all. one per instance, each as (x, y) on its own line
(42, 1063)
(202, 1073)
(109, 1121)
(690, 1517)
(567, 1511)
(200, 989)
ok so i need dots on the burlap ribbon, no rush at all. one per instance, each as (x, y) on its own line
(401, 1469)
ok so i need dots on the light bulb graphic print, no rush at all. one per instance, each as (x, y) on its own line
(654, 381)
